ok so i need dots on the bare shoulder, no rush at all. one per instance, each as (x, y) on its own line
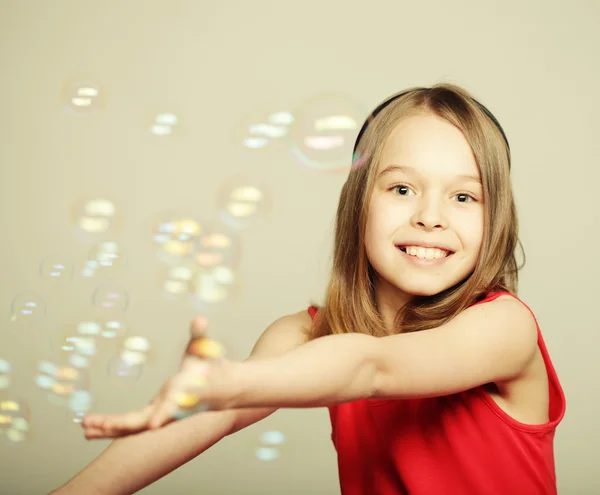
(515, 313)
(517, 322)
(283, 335)
(525, 396)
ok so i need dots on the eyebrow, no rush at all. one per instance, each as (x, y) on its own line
(390, 169)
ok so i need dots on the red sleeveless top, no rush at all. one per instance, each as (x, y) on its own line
(461, 444)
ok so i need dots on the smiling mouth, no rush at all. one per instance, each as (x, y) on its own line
(425, 253)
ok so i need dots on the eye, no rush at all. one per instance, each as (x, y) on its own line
(402, 190)
(464, 198)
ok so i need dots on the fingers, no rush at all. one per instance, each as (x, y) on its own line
(199, 326)
(114, 425)
(163, 414)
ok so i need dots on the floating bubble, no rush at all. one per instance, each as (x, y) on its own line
(123, 373)
(56, 268)
(205, 287)
(62, 381)
(217, 246)
(14, 418)
(71, 347)
(28, 308)
(96, 216)
(272, 438)
(80, 401)
(84, 95)
(5, 374)
(267, 454)
(175, 236)
(105, 259)
(164, 124)
(82, 342)
(111, 297)
(75, 418)
(323, 134)
(241, 203)
(260, 130)
(135, 350)
(175, 280)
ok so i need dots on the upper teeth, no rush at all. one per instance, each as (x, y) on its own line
(427, 253)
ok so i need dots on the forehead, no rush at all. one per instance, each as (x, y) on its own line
(430, 144)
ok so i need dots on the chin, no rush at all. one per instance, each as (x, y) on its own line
(423, 288)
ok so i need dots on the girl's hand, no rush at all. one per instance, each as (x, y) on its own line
(205, 363)
(204, 382)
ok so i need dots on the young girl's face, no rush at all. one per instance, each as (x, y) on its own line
(425, 221)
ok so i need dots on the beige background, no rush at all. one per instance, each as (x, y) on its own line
(534, 64)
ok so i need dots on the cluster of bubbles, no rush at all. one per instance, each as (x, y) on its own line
(319, 132)
(14, 411)
(197, 257)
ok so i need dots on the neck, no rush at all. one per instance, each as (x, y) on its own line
(389, 300)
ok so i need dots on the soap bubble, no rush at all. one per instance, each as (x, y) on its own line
(262, 129)
(323, 134)
(84, 95)
(212, 285)
(267, 454)
(111, 297)
(175, 280)
(28, 309)
(105, 259)
(14, 418)
(270, 441)
(164, 124)
(218, 245)
(82, 342)
(5, 374)
(96, 216)
(56, 269)
(272, 438)
(123, 373)
(126, 367)
(64, 383)
(175, 236)
(241, 203)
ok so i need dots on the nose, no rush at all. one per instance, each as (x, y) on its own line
(429, 215)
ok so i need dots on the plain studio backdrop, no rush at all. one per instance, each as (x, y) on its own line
(534, 64)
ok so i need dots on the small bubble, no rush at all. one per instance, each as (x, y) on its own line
(242, 203)
(164, 124)
(14, 418)
(56, 269)
(267, 454)
(323, 134)
(61, 380)
(175, 236)
(96, 216)
(5, 374)
(28, 308)
(262, 129)
(111, 297)
(84, 95)
(272, 438)
(124, 374)
(105, 259)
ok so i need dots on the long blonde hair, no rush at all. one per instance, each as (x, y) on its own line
(349, 304)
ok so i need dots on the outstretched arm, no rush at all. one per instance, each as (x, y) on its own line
(492, 342)
(134, 461)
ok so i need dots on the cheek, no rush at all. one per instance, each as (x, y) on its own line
(471, 231)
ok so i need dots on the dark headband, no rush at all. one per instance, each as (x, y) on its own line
(395, 97)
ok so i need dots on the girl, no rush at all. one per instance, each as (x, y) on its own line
(435, 374)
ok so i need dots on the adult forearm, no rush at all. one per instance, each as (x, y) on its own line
(133, 462)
